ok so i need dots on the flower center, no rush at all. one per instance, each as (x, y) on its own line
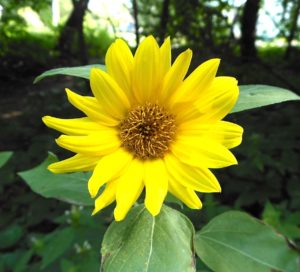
(148, 131)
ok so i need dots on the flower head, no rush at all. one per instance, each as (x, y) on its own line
(150, 127)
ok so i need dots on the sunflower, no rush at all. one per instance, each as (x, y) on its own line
(150, 127)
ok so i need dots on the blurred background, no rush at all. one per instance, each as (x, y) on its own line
(258, 42)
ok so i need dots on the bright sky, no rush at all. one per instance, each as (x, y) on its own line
(265, 25)
(118, 11)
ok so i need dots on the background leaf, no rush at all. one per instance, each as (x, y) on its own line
(56, 244)
(254, 96)
(282, 220)
(173, 200)
(10, 236)
(145, 243)
(235, 241)
(71, 188)
(4, 157)
(79, 71)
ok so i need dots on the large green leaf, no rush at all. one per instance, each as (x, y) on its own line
(71, 188)
(79, 71)
(142, 242)
(255, 96)
(235, 242)
(4, 157)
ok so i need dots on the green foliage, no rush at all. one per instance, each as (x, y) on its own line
(56, 244)
(11, 236)
(205, 24)
(268, 162)
(72, 246)
(71, 188)
(173, 200)
(286, 18)
(145, 243)
(254, 96)
(80, 71)
(26, 53)
(11, 23)
(4, 157)
(97, 41)
(234, 242)
(284, 221)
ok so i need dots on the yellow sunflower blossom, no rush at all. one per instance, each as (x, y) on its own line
(150, 127)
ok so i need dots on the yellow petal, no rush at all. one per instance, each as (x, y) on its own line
(91, 107)
(109, 94)
(146, 70)
(176, 74)
(119, 65)
(156, 183)
(107, 197)
(130, 186)
(186, 112)
(165, 57)
(202, 152)
(217, 102)
(226, 133)
(197, 178)
(197, 82)
(186, 195)
(75, 126)
(96, 144)
(76, 163)
(108, 168)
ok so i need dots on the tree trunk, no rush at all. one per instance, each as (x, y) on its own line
(164, 20)
(136, 22)
(294, 19)
(72, 34)
(248, 28)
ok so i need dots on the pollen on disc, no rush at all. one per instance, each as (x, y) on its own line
(148, 131)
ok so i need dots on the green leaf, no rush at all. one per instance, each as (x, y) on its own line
(66, 265)
(56, 244)
(4, 157)
(255, 96)
(71, 188)
(172, 199)
(142, 242)
(79, 71)
(271, 216)
(10, 259)
(21, 263)
(235, 242)
(10, 236)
